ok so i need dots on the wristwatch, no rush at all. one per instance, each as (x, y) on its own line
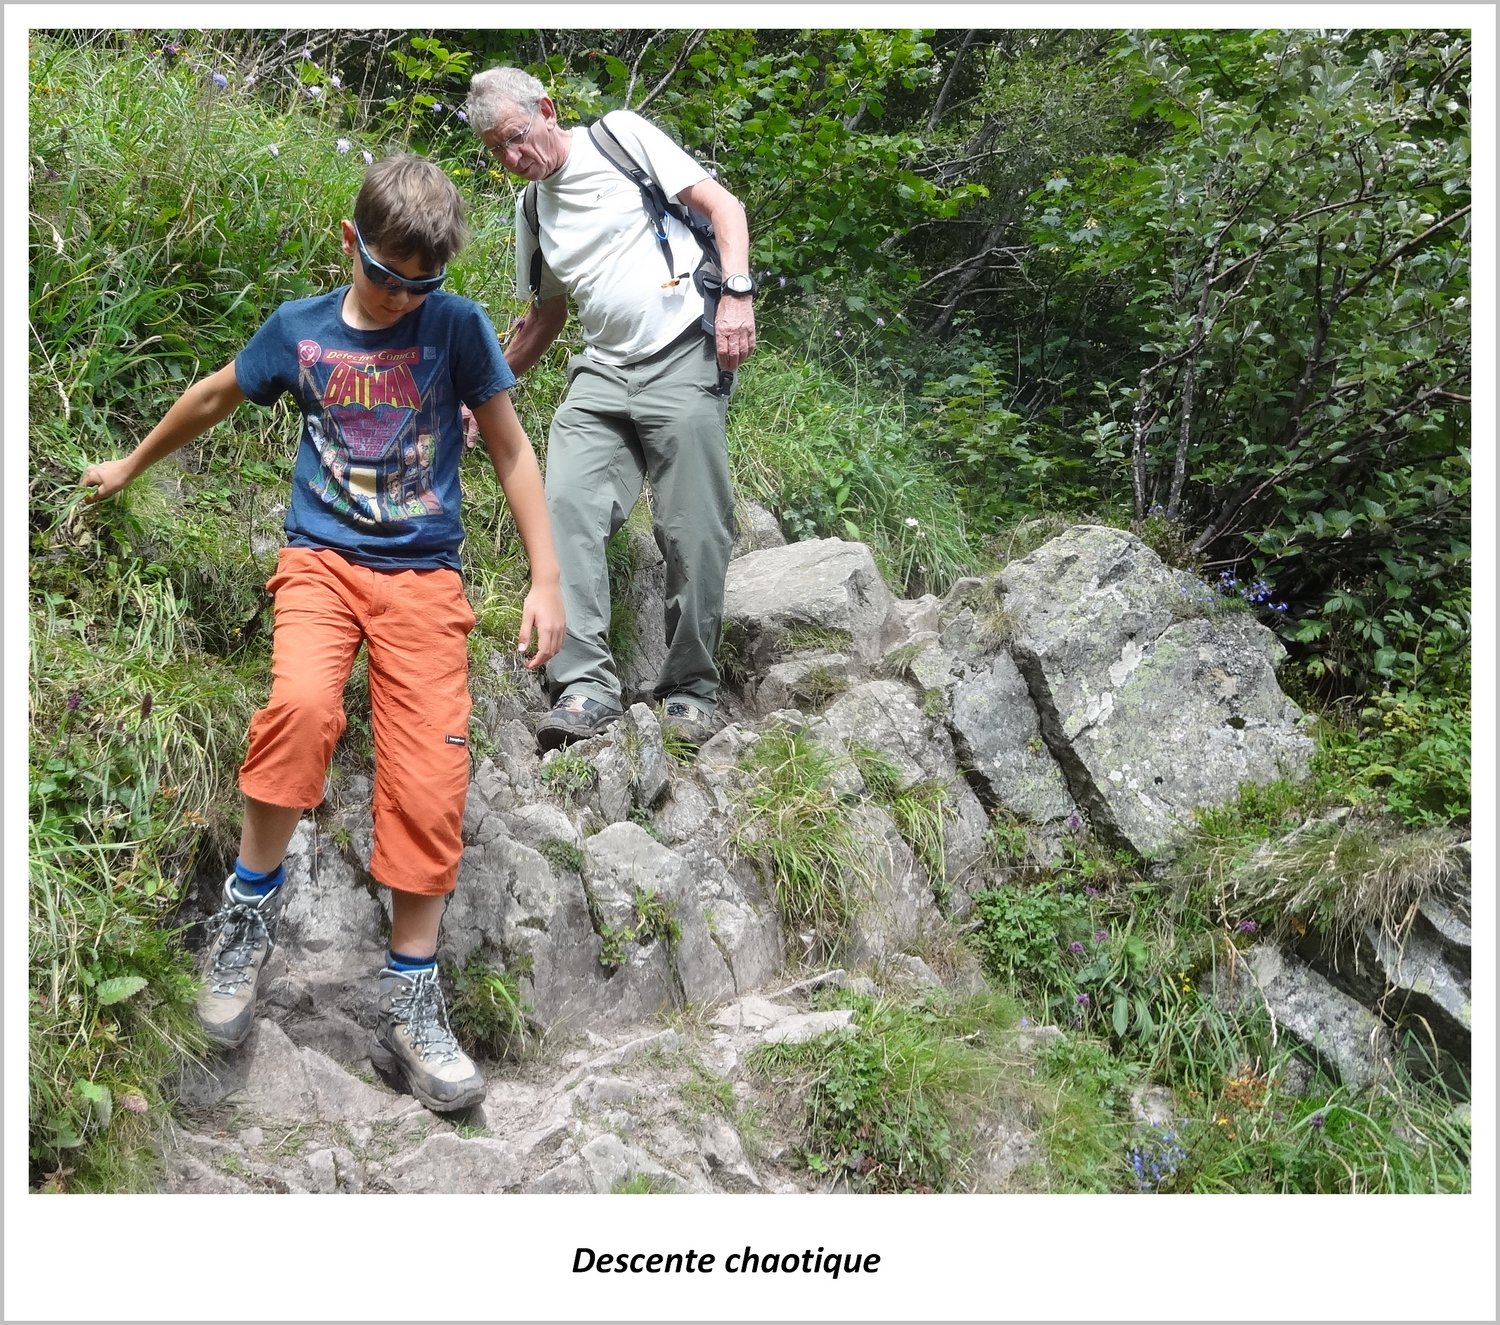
(739, 283)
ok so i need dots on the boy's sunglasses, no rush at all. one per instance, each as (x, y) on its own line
(394, 280)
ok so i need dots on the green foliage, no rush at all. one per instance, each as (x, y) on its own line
(1023, 935)
(640, 1184)
(654, 919)
(1412, 750)
(837, 461)
(569, 773)
(563, 855)
(1295, 250)
(798, 832)
(894, 1106)
(921, 810)
(486, 1011)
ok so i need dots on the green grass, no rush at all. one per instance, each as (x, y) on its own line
(831, 459)
(486, 1011)
(897, 1105)
(798, 831)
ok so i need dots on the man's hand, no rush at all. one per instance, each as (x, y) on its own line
(471, 426)
(106, 478)
(734, 331)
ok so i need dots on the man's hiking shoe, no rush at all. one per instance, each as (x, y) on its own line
(574, 718)
(689, 720)
(244, 930)
(412, 1041)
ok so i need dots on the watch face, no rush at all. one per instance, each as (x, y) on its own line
(739, 285)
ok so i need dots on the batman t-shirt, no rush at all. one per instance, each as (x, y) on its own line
(376, 478)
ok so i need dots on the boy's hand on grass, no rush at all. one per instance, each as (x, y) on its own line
(542, 612)
(106, 478)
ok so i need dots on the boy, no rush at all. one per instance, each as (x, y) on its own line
(379, 369)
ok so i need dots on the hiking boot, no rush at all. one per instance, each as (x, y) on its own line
(412, 1040)
(574, 718)
(690, 720)
(244, 930)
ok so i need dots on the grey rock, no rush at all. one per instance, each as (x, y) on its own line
(755, 528)
(276, 1082)
(808, 681)
(1125, 683)
(609, 1162)
(779, 599)
(997, 735)
(446, 1162)
(723, 1154)
(800, 1027)
(753, 1012)
(892, 904)
(570, 1177)
(1347, 1038)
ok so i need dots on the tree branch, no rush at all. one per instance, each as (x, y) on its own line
(689, 45)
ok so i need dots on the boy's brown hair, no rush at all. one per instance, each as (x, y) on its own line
(409, 209)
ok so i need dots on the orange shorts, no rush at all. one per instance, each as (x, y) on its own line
(415, 626)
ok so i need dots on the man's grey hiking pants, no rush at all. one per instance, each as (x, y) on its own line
(661, 419)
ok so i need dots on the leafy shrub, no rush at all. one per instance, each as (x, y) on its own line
(1413, 750)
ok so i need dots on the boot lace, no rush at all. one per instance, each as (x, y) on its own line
(242, 929)
(421, 1009)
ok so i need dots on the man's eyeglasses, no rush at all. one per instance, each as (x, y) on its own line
(394, 280)
(516, 137)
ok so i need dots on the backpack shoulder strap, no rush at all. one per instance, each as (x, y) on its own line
(653, 197)
(528, 210)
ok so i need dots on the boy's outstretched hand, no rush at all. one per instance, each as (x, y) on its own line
(106, 478)
(542, 612)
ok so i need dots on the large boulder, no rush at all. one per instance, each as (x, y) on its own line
(824, 595)
(1153, 703)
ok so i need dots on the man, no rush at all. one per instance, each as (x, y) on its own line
(647, 398)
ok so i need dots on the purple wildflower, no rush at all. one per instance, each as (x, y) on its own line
(1025, 1021)
(1317, 1120)
(781, 282)
(341, 145)
(145, 706)
(1101, 936)
(1083, 1000)
(1074, 823)
(218, 79)
(436, 106)
(1076, 948)
(1090, 891)
(335, 82)
(250, 80)
(1247, 926)
(368, 156)
(880, 322)
(75, 698)
(462, 117)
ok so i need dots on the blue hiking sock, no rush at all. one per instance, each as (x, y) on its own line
(399, 961)
(251, 882)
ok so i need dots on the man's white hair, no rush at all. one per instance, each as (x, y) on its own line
(492, 91)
